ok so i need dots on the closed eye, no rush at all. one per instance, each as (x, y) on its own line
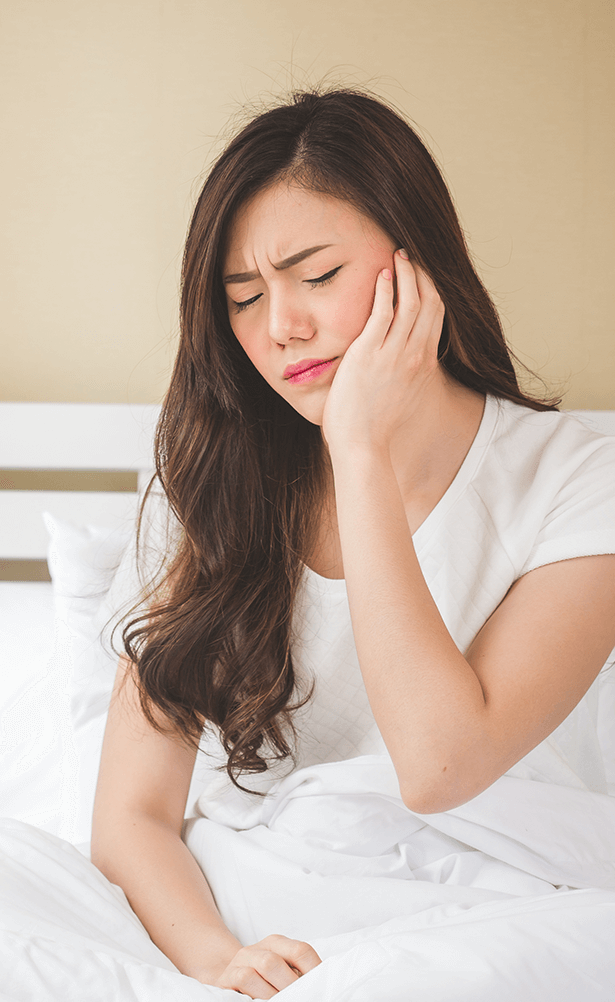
(238, 307)
(324, 279)
(314, 282)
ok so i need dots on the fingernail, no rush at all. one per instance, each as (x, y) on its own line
(386, 273)
(404, 253)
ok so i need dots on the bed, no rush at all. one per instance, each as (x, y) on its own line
(49, 447)
(377, 944)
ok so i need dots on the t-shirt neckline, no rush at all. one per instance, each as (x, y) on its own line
(464, 475)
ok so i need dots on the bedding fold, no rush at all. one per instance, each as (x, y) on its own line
(467, 906)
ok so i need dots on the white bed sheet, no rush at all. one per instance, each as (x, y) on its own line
(469, 906)
(26, 633)
(39, 766)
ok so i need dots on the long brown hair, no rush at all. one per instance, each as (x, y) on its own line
(243, 472)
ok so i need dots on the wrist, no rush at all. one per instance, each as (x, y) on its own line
(367, 443)
(216, 951)
(358, 456)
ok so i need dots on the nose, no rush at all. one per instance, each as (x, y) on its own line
(288, 319)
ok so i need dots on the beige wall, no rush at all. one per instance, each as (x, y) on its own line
(113, 111)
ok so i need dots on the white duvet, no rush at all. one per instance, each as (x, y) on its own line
(510, 897)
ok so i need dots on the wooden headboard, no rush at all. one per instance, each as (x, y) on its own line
(84, 463)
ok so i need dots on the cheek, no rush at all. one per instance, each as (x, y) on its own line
(350, 315)
(251, 344)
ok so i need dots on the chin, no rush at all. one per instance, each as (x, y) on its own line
(313, 416)
(311, 410)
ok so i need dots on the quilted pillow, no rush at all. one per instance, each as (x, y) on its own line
(96, 582)
(84, 561)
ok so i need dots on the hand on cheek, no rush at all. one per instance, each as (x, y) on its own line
(386, 370)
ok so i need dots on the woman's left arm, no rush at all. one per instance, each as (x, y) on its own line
(452, 724)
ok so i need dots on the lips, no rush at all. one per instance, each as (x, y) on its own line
(304, 366)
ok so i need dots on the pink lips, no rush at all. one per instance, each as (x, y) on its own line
(308, 369)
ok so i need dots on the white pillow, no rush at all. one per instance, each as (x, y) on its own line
(52, 722)
(37, 782)
(95, 582)
(83, 561)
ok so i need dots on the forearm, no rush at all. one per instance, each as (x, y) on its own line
(425, 697)
(167, 890)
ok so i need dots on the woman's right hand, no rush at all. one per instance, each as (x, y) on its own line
(262, 970)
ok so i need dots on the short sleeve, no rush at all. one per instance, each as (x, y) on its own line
(580, 520)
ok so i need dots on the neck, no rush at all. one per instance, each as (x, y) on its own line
(434, 446)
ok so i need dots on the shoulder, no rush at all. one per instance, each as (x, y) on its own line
(538, 429)
(548, 483)
(547, 448)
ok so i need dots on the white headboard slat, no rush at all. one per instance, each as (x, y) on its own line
(22, 510)
(77, 436)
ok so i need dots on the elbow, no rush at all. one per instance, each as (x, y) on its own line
(428, 803)
(452, 777)
(437, 794)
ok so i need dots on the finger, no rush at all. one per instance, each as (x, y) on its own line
(272, 967)
(435, 307)
(377, 326)
(426, 287)
(295, 952)
(420, 309)
(247, 981)
(408, 305)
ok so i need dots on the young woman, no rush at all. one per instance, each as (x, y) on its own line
(344, 419)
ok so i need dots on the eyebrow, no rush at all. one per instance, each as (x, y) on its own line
(288, 262)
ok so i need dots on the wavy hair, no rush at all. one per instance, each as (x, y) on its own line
(243, 472)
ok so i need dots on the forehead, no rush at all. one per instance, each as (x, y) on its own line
(279, 219)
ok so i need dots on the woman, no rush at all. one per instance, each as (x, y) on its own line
(343, 400)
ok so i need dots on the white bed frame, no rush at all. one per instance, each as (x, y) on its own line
(109, 437)
(104, 437)
(34, 701)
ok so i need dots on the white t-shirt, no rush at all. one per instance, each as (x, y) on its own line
(535, 487)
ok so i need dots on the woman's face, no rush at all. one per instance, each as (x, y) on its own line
(300, 272)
